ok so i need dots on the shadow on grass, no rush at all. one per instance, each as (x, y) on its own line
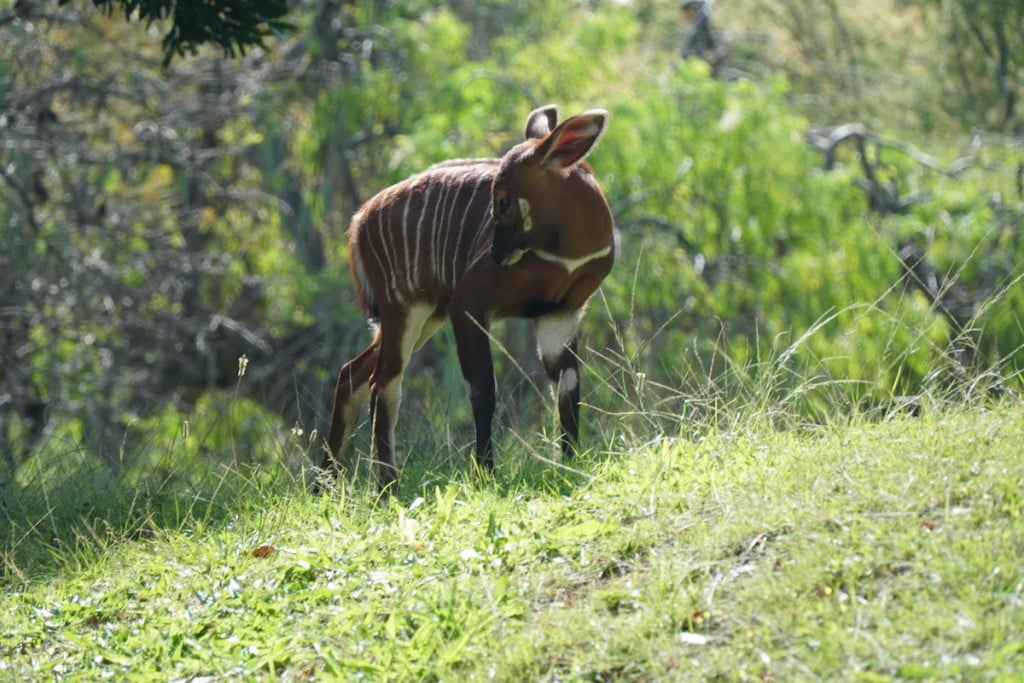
(67, 507)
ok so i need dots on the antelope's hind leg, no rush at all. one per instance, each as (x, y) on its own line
(350, 392)
(402, 332)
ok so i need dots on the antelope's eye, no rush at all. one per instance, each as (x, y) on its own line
(503, 203)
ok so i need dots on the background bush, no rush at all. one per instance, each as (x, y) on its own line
(159, 223)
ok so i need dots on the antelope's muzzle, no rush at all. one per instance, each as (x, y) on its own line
(506, 257)
(504, 250)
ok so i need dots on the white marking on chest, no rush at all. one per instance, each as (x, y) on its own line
(572, 264)
(554, 333)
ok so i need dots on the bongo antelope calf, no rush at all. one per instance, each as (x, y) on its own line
(528, 235)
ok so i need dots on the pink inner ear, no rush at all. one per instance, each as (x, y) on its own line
(570, 142)
(571, 149)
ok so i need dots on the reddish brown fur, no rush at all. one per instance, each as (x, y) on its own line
(454, 242)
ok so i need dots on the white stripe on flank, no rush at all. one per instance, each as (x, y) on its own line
(368, 240)
(404, 264)
(416, 237)
(390, 250)
(396, 272)
(438, 212)
(462, 225)
(443, 237)
(436, 233)
(359, 270)
(381, 236)
(446, 226)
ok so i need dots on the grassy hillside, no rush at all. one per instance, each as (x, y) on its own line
(865, 551)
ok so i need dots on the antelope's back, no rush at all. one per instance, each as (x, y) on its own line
(411, 242)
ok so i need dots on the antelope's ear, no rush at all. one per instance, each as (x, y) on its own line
(571, 141)
(541, 120)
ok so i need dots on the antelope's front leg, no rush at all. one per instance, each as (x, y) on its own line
(556, 342)
(474, 349)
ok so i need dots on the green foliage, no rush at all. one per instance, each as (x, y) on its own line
(968, 227)
(735, 244)
(984, 41)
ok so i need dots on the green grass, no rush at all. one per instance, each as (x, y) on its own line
(871, 551)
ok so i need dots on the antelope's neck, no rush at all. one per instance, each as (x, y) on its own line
(571, 264)
(598, 238)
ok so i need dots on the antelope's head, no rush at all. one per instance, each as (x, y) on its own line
(543, 195)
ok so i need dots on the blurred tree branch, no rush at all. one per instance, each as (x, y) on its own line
(957, 302)
(233, 25)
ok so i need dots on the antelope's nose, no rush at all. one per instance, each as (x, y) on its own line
(504, 252)
(511, 259)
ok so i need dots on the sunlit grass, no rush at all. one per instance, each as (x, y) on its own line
(887, 549)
